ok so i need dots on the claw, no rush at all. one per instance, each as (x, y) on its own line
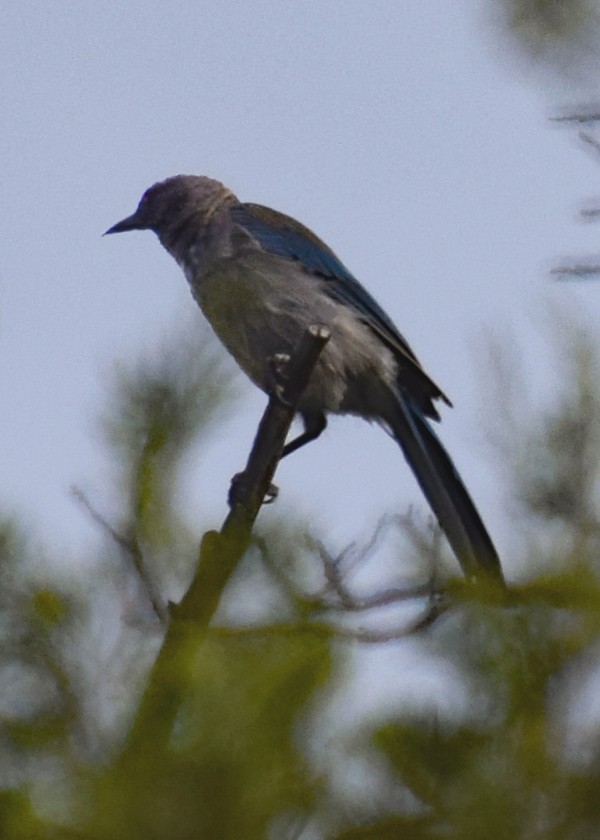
(239, 487)
(277, 375)
(271, 494)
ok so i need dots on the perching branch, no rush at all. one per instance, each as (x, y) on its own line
(221, 551)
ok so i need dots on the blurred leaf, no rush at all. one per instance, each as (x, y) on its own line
(50, 607)
(158, 408)
(561, 34)
(233, 748)
(540, 21)
(162, 401)
(427, 757)
(236, 760)
(394, 828)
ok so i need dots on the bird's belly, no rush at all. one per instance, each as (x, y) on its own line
(258, 313)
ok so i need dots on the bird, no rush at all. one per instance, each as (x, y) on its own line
(261, 278)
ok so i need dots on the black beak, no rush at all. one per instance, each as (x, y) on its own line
(130, 223)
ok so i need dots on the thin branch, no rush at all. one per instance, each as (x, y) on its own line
(590, 213)
(435, 609)
(577, 271)
(349, 556)
(578, 118)
(291, 375)
(581, 270)
(304, 602)
(131, 548)
(336, 596)
(383, 598)
(353, 553)
(588, 138)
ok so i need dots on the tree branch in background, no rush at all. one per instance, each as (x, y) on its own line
(131, 548)
(576, 269)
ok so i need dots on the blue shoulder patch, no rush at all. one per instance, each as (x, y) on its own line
(284, 236)
(279, 234)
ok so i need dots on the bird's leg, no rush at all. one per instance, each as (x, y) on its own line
(314, 425)
(314, 422)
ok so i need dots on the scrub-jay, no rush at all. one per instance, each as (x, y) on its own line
(261, 278)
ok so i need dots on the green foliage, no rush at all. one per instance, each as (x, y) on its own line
(507, 768)
(560, 36)
(234, 761)
(157, 409)
(539, 22)
(238, 731)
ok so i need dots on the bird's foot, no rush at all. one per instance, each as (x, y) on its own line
(271, 494)
(277, 376)
(238, 491)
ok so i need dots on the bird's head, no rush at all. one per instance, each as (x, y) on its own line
(169, 204)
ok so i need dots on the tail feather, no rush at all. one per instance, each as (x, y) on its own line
(447, 495)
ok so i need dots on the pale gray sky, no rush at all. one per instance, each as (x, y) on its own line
(402, 133)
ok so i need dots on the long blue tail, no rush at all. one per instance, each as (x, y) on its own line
(447, 495)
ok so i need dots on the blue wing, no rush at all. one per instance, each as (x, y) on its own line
(284, 236)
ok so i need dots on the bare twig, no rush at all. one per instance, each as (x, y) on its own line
(337, 568)
(577, 271)
(588, 138)
(578, 118)
(131, 548)
(336, 596)
(383, 598)
(435, 609)
(347, 559)
(590, 213)
(305, 602)
(582, 270)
